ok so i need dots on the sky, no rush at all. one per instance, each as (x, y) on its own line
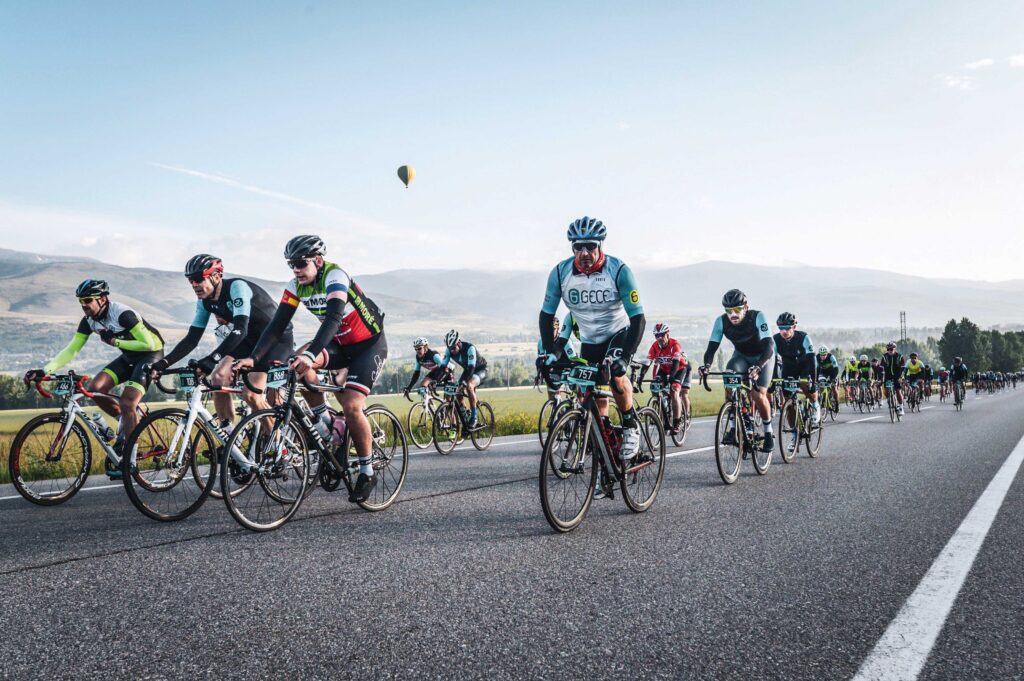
(871, 134)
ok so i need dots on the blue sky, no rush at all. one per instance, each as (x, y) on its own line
(883, 135)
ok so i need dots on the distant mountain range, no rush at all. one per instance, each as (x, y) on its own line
(40, 289)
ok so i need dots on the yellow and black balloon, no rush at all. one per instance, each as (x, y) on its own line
(406, 175)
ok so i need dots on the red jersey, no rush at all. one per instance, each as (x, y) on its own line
(662, 357)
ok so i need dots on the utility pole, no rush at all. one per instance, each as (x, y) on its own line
(903, 330)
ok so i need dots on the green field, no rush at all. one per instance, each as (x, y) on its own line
(515, 411)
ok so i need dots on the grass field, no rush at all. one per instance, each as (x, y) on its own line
(515, 411)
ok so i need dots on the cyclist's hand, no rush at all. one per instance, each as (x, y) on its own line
(703, 370)
(206, 365)
(244, 363)
(550, 359)
(34, 375)
(157, 368)
(301, 364)
(754, 372)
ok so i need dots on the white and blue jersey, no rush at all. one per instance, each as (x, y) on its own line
(601, 303)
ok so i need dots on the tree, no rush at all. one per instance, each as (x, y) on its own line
(964, 339)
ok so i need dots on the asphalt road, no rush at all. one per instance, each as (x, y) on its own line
(793, 575)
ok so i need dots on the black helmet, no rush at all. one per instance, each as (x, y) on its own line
(958, 360)
(203, 265)
(304, 246)
(786, 319)
(91, 288)
(734, 298)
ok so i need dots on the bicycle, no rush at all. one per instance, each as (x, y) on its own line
(53, 450)
(958, 394)
(865, 397)
(283, 453)
(796, 424)
(829, 398)
(661, 402)
(555, 406)
(890, 398)
(451, 422)
(739, 430)
(913, 392)
(582, 451)
(420, 419)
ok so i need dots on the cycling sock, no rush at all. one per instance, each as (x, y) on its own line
(629, 419)
(472, 414)
(364, 466)
(319, 409)
(767, 427)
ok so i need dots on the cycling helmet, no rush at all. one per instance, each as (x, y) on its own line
(587, 229)
(942, 368)
(203, 265)
(786, 319)
(863, 358)
(304, 246)
(913, 355)
(660, 328)
(734, 298)
(451, 338)
(958, 360)
(92, 288)
(891, 345)
(823, 350)
(420, 342)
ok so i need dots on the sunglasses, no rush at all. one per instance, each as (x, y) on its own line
(88, 299)
(196, 280)
(660, 335)
(299, 263)
(591, 246)
(734, 310)
(785, 328)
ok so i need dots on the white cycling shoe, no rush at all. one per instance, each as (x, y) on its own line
(630, 443)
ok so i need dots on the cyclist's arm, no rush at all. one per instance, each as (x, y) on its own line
(240, 292)
(72, 348)
(142, 340)
(552, 296)
(415, 377)
(767, 344)
(191, 339)
(717, 333)
(470, 366)
(631, 302)
(278, 323)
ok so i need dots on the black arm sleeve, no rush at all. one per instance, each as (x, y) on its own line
(637, 323)
(239, 332)
(467, 374)
(185, 345)
(675, 367)
(128, 319)
(412, 381)
(767, 351)
(273, 332)
(547, 331)
(329, 326)
(709, 354)
(643, 372)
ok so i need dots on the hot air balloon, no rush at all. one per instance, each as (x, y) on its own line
(406, 175)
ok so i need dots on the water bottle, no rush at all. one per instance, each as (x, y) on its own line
(102, 428)
(338, 430)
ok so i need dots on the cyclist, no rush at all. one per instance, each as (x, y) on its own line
(828, 367)
(474, 369)
(140, 345)
(565, 336)
(915, 373)
(798, 359)
(669, 365)
(351, 336)
(943, 381)
(431, 361)
(879, 373)
(602, 295)
(893, 366)
(753, 354)
(849, 376)
(245, 309)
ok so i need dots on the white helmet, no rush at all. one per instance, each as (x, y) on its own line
(451, 338)
(863, 358)
(942, 368)
(420, 342)
(823, 350)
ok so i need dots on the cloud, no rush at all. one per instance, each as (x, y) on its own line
(1017, 61)
(959, 82)
(980, 64)
(228, 182)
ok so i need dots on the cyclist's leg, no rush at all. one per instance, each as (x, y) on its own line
(759, 391)
(222, 375)
(364, 362)
(684, 393)
(103, 382)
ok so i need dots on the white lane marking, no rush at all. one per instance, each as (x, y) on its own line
(931, 407)
(84, 489)
(689, 451)
(870, 418)
(904, 647)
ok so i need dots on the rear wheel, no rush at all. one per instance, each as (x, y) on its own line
(389, 458)
(567, 472)
(49, 462)
(789, 430)
(446, 427)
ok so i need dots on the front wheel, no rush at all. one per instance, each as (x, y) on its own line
(419, 420)
(49, 460)
(728, 443)
(567, 472)
(389, 458)
(483, 434)
(446, 428)
(642, 480)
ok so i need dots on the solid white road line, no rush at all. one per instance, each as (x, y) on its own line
(870, 418)
(84, 489)
(904, 647)
(689, 451)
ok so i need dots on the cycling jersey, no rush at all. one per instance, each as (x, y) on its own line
(914, 368)
(663, 358)
(829, 363)
(864, 371)
(750, 337)
(943, 376)
(127, 331)
(601, 303)
(893, 366)
(797, 353)
(361, 319)
(850, 370)
(468, 358)
(959, 373)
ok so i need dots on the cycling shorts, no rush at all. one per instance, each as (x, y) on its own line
(364, 361)
(614, 347)
(741, 364)
(124, 370)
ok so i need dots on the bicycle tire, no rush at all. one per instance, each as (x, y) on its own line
(761, 459)
(482, 437)
(148, 481)
(419, 421)
(640, 485)
(446, 428)
(786, 431)
(17, 462)
(813, 436)
(544, 420)
(389, 458)
(728, 458)
(563, 472)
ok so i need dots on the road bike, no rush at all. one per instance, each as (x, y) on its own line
(420, 419)
(796, 423)
(829, 398)
(284, 452)
(51, 455)
(865, 397)
(560, 401)
(582, 454)
(890, 399)
(739, 430)
(913, 392)
(958, 394)
(451, 422)
(661, 402)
